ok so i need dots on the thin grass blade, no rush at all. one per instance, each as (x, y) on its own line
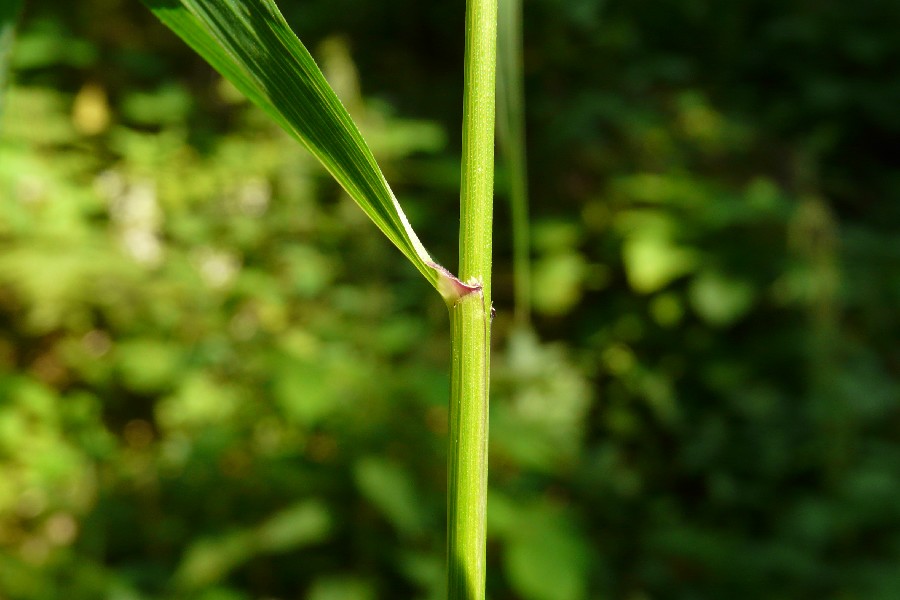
(9, 15)
(251, 45)
(511, 138)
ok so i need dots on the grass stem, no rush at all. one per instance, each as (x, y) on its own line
(511, 138)
(470, 316)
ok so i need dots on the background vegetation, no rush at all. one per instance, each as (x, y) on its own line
(217, 380)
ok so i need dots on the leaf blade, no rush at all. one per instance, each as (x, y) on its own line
(251, 45)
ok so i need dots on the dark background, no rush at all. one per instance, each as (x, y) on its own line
(219, 381)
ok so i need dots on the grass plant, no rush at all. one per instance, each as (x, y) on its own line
(249, 43)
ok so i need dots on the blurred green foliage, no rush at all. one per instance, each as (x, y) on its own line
(217, 380)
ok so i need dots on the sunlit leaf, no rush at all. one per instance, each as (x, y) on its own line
(720, 300)
(208, 560)
(546, 556)
(653, 260)
(250, 43)
(390, 488)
